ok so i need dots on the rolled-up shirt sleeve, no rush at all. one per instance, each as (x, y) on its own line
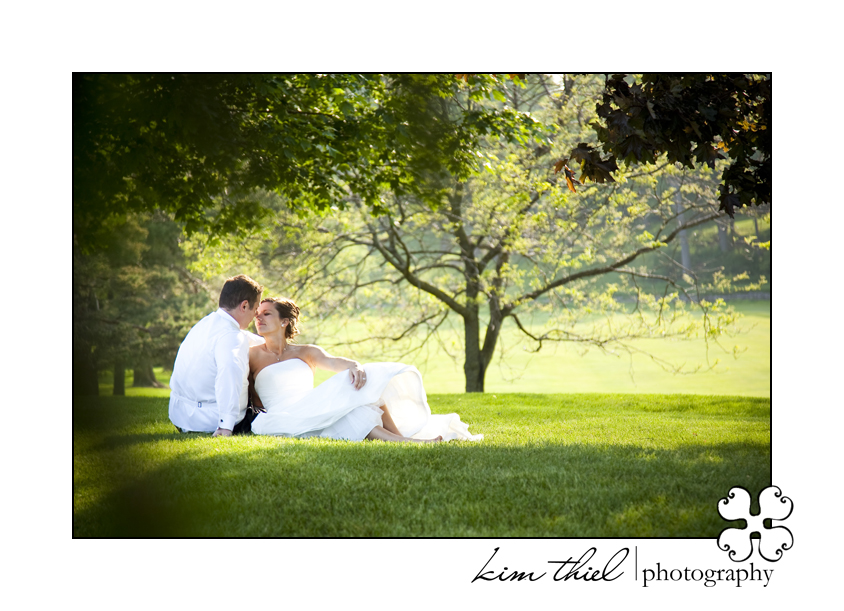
(231, 354)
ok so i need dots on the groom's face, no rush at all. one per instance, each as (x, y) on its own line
(250, 312)
(245, 313)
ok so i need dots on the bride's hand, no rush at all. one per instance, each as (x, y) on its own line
(357, 375)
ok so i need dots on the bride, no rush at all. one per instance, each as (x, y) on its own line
(383, 401)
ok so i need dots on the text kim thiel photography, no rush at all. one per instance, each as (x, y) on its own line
(591, 567)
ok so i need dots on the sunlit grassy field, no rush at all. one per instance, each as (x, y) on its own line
(563, 368)
(595, 465)
(575, 446)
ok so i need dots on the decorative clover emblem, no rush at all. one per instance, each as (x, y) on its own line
(772, 506)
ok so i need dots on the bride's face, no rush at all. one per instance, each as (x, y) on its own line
(267, 320)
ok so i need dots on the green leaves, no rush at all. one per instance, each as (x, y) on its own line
(175, 143)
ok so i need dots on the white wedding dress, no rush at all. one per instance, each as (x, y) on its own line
(334, 409)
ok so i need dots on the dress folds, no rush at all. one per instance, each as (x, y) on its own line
(336, 410)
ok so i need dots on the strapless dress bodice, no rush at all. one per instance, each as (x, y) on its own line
(284, 383)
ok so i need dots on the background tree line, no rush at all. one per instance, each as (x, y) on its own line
(426, 196)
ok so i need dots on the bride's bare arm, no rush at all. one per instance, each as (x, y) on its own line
(253, 367)
(256, 400)
(320, 358)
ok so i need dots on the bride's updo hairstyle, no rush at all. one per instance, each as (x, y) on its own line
(286, 308)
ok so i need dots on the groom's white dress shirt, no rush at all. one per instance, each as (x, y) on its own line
(209, 389)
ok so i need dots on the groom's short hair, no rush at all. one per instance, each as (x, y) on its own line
(238, 289)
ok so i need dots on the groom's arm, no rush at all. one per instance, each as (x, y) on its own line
(231, 355)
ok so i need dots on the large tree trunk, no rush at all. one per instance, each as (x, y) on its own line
(145, 377)
(493, 330)
(84, 376)
(119, 379)
(477, 358)
(474, 367)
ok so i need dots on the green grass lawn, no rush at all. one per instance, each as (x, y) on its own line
(557, 465)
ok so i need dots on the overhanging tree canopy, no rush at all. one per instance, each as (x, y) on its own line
(689, 118)
(198, 145)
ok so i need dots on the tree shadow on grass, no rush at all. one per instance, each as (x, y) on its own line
(135, 476)
(338, 489)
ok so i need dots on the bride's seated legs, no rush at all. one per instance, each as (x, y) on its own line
(387, 420)
(379, 433)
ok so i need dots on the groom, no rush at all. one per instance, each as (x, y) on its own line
(208, 386)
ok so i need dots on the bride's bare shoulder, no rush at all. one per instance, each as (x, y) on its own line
(257, 352)
(307, 352)
(304, 349)
(313, 348)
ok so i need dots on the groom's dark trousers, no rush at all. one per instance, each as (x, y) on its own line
(244, 427)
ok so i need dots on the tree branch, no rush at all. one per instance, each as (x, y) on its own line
(597, 271)
(414, 280)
